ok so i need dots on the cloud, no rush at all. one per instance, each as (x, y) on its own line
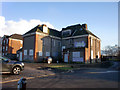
(19, 27)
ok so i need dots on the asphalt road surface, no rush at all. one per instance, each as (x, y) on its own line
(79, 78)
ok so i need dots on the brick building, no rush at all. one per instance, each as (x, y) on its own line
(79, 44)
(73, 44)
(10, 45)
(41, 42)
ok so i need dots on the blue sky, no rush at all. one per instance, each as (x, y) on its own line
(101, 17)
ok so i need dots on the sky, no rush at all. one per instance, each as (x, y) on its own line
(101, 17)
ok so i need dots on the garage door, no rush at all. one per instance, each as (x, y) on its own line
(76, 57)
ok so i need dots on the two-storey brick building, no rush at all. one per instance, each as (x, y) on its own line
(41, 42)
(10, 45)
(79, 44)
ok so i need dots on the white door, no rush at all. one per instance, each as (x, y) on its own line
(20, 56)
(66, 58)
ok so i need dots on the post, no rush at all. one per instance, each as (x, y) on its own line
(22, 84)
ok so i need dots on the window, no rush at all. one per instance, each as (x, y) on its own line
(76, 54)
(31, 52)
(66, 32)
(6, 48)
(40, 53)
(44, 42)
(3, 48)
(45, 29)
(91, 54)
(47, 53)
(4, 41)
(54, 42)
(59, 43)
(1, 42)
(7, 41)
(25, 52)
(63, 47)
(91, 41)
(17, 55)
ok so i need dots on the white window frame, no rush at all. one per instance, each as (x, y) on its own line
(45, 29)
(40, 53)
(31, 52)
(25, 52)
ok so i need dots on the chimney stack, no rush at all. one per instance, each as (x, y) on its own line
(84, 26)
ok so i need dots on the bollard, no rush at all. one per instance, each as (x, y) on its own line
(22, 84)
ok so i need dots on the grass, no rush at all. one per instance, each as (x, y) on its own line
(62, 67)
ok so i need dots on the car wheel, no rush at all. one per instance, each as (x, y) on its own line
(16, 70)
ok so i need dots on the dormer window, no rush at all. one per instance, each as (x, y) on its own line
(66, 32)
(45, 29)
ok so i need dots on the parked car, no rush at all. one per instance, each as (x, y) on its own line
(14, 67)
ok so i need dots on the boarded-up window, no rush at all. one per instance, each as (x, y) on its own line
(31, 52)
(47, 53)
(40, 53)
(25, 52)
(76, 57)
(76, 54)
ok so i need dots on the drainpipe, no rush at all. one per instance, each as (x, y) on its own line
(90, 50)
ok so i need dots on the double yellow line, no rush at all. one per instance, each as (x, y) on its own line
(15, 80)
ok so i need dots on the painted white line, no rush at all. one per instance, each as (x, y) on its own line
(104, 72)
(15, 80)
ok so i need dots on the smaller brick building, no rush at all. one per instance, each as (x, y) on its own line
(80, 45)
(10, 45)
(40, 43)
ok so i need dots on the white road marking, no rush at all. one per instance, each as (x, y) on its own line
(104, 72)
(15, 80)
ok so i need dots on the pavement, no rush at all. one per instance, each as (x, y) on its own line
(84, 77)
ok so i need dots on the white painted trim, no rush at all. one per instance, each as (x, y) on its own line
(76, 36)
(93, 37)
(41, 34)
(15, 39)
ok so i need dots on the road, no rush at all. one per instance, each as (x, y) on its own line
(78, 78)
